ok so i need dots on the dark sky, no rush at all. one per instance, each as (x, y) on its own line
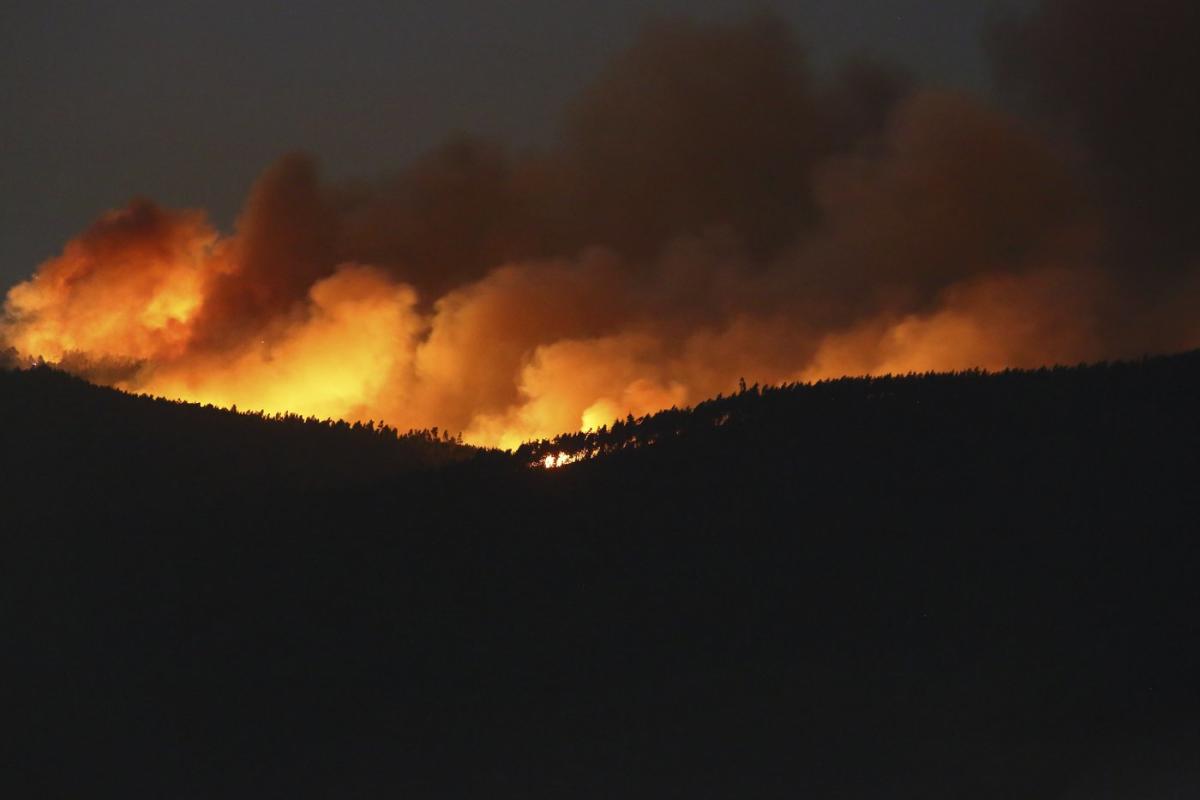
(186, 102)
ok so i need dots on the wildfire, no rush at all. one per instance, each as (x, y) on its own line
(560, 459)
(712, 211)
(141, 301)
(514, 299)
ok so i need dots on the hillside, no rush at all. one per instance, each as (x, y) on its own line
(58, 425)
(934, 586)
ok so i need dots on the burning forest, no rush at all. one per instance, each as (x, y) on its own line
(713, 209)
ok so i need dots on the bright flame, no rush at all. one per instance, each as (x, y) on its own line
(130, 290)
(555, 461)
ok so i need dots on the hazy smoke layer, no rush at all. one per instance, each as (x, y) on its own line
(711, 212)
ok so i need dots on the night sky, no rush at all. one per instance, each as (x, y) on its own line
(186, 102)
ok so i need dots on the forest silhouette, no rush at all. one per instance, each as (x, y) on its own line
(969, 585)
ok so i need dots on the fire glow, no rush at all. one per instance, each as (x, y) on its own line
(560, 459)
(525, 352)
(685, 233)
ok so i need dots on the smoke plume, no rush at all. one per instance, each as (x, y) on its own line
(711, 211)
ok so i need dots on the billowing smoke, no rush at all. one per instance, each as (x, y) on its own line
(711, 211)
(1117, 80)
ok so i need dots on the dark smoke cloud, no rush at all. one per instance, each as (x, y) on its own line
(695, 128)
(1119, 80)
(954, 189)
(286, 239)
(457, 212)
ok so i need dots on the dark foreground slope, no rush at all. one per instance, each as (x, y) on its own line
(60, 435)
(948, 586)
